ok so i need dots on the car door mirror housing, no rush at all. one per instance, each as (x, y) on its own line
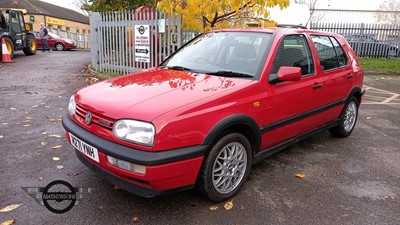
(286, 73)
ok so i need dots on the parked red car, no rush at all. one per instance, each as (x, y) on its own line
(221, 103)
(56, 42)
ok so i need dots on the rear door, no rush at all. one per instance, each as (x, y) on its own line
(336, 74)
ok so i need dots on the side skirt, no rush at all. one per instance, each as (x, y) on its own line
(267, 152)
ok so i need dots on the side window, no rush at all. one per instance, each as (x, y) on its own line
(342, 58)
(294, 51)
(21, 21)
(15, 25)
(330, 53)
(3, 20)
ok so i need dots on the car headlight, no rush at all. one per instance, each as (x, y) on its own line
(134, 131)
(72, 106)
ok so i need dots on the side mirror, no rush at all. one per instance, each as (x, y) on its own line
(286, 73)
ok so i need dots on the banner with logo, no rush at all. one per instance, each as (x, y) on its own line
(142, 43)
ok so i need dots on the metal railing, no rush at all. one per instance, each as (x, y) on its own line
(367, 40)
(83, 40)
(127, 41)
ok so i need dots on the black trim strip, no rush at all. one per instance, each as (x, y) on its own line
(301, 116)
(126, 185)
(131, 154)
(267, 152)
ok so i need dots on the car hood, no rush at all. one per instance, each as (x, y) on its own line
(150, 93)
(69, 40)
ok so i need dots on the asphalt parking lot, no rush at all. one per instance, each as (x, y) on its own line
(355, 180)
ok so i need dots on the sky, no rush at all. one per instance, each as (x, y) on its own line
(326, 4)
(350, 4)
(63, 3)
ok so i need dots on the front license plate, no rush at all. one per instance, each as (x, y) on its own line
(86, 149)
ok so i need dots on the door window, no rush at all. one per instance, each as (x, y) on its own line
(21, 22)
(330, 53)
(294, 51)
(15, 25)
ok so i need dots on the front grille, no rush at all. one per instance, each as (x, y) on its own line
(96, 118)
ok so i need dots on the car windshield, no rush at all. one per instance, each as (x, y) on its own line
(53, 35)
(233, 54)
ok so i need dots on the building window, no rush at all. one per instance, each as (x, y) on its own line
(77, 30)
(49, 26)
(68, 29)
(83, 31)
(59, 27)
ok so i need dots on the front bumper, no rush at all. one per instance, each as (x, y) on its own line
(166, 171)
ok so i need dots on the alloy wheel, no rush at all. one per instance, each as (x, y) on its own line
(350, 116)
(229, 167)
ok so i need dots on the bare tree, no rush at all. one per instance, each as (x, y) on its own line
(389, 12)
(81, 5)
(312, 5)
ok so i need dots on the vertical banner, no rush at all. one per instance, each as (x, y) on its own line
(142, 43)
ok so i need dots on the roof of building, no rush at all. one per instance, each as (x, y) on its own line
(44, 8)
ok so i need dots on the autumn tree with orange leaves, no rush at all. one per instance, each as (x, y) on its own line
(210, 14)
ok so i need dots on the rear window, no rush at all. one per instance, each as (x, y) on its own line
(330, 53)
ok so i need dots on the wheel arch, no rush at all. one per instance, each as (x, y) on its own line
(239, 123)
(356, 92)
(12, 46)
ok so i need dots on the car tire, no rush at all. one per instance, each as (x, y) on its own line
(59, 46)
(10, 47)
(31, 45)
(348, 119)
(226, 167)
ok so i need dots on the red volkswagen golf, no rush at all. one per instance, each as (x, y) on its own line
(220, 104)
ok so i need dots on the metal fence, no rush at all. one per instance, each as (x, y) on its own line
(83, 40)
(127, 41)
(355, 16)
(367, 40)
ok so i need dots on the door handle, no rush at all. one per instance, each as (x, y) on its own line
(349, 76)
(316, 86)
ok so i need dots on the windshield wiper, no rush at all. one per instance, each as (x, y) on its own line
(230, 74)
(177, 68)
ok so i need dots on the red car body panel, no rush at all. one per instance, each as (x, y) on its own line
(160, 177)
(52, 41)
(178, 103)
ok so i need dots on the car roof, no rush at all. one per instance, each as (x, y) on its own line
(282, 30)
(22, 10)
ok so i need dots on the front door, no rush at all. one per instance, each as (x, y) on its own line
(18, 32)
(290, 105)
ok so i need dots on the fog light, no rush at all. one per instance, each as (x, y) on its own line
(112, 160)
(138, 168)
(126, 165)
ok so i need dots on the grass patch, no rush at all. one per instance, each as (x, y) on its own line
(381, 64)
(111, 74)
